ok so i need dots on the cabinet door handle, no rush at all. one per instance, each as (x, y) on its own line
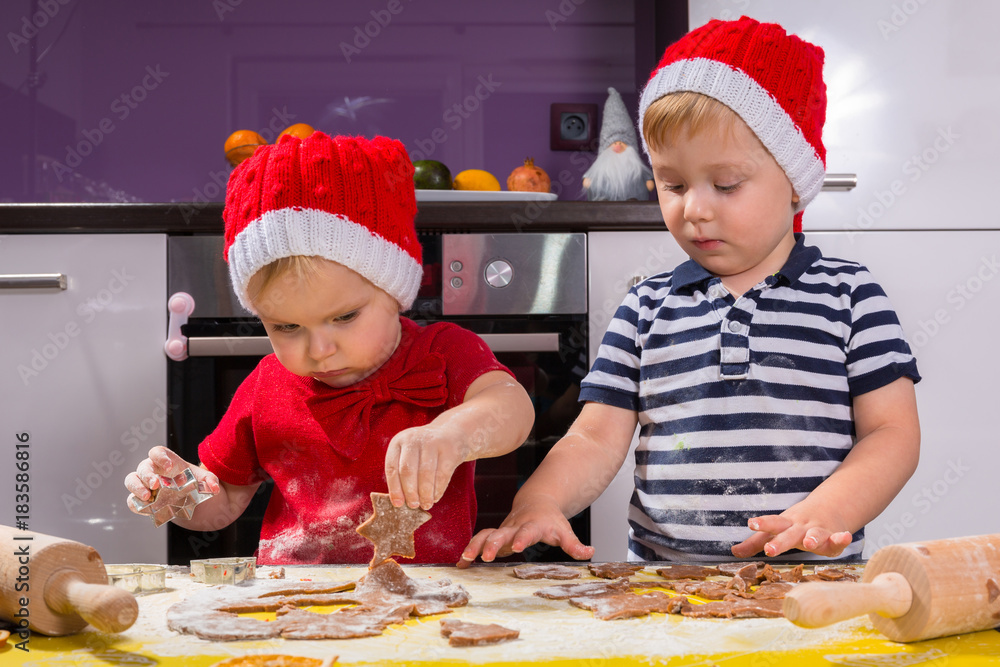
(33, 281)
(840, 182)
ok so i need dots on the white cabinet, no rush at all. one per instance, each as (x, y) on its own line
(913, 101)
(616, 261)
(945, 287)
(83, 374)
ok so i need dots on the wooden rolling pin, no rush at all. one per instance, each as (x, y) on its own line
(64, 584)
(912, 592)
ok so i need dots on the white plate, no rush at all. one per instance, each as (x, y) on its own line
(483, 195)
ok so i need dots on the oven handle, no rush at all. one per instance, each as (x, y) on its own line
(33, 281)
(239, 346)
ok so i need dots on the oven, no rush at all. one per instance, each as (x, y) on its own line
(525, 294)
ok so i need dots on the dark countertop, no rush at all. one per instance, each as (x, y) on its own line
(201, 218)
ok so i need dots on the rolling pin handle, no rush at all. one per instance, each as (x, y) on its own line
(107, 608)
(818, 604)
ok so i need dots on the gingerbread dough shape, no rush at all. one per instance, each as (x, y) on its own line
(383, 597)
(739, 590)
(614, 570)
(391, 528)
(630, 605)
(546, 571)
(461, 633)
(585, 589)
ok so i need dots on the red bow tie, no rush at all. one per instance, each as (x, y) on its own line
(345, 413)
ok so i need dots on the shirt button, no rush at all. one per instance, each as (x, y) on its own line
(734, 326)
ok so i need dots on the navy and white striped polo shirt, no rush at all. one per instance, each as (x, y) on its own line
(744, 404)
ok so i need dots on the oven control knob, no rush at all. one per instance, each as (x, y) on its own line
(499, 273)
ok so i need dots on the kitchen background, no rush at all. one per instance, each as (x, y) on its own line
(135, 101)
(161, 85)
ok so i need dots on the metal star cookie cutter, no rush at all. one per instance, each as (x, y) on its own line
(176, 497)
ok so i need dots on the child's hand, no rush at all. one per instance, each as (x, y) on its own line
(166, 463)
(530, 524)
(420, 461)
(777, 533)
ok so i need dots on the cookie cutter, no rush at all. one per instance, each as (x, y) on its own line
(176, 497)
(224, 570)
(137, 578)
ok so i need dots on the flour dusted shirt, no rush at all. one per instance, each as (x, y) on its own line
(325, 447)
(744, 404)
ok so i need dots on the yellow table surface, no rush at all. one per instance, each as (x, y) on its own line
(553, 632)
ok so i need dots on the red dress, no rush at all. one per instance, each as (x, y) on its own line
(325, 447)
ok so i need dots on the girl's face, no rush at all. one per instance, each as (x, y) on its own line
(727, 203)
(332, 325)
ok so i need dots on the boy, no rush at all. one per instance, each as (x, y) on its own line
(321, 246)
(772, 386)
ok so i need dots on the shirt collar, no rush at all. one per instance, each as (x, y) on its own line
(691, 274)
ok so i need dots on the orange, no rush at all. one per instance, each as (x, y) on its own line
(241, 144)
(300, 130)
(476, 179)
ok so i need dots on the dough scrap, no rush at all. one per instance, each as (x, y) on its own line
(585, 589)
(614, 570)
(546, 571)
(687, 572)
(391, 528)
(461, 633)
(382, 597)
(771, 590)
(630, 605)
(730, 569)
(831, 574)
(735, 609)
(710, 590)
(753, 590)
(388, 585)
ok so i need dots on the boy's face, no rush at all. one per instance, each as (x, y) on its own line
(334, 325)
(726, 202)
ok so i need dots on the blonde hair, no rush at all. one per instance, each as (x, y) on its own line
(295, 267)
(685, 110)
(299, 267)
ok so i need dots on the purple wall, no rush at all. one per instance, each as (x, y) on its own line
(139, 97)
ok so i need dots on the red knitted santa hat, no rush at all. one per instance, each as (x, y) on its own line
(772, 80)
(346, 199)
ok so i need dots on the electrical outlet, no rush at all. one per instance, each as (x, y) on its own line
(573, 127)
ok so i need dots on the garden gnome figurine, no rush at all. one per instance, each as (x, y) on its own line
(619, 172)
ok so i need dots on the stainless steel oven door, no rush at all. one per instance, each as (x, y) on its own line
(546, 351)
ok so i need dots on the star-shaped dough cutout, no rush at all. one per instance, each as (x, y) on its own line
(391, 528)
